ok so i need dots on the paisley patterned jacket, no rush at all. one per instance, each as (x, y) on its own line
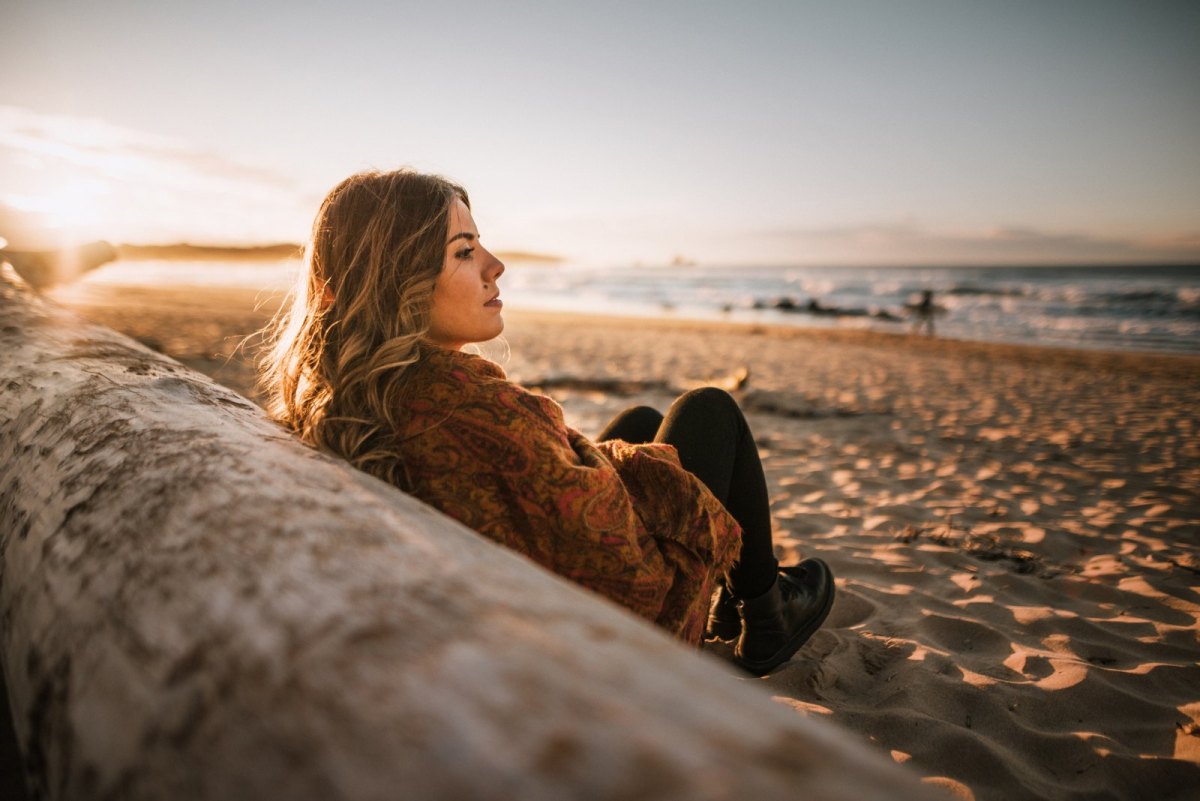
(625, 521)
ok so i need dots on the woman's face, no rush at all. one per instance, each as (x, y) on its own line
(466, 300)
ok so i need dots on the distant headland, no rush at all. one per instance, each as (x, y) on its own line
(185, 250)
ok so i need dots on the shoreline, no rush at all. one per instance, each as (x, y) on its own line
(787, 324)
(239, 299)
(1169, 340)
(1128, 358)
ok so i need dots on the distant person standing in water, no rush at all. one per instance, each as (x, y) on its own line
(666, 515)
(924, 312)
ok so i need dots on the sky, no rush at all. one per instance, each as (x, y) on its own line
(856, 132)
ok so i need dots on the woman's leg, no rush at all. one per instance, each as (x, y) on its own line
(636, 424)
(779, 608)
(715, 444)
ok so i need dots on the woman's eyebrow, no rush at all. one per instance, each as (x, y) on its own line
(464, 235)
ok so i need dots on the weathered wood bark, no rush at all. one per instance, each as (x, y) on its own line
(195, 606)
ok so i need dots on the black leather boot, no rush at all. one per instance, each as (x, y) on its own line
(724, 619)
(777, 623)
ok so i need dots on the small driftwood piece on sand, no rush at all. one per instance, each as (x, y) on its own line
(195, 606)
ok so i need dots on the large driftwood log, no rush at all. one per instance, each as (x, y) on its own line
(195, 606)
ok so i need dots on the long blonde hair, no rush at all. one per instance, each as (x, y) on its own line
(358, 315)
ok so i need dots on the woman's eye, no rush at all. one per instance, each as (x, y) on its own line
(465, 253)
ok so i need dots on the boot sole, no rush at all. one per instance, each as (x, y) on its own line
(765, 666)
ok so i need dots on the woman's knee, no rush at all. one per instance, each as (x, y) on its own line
(712, 400)
(641, 416)
(635, 424)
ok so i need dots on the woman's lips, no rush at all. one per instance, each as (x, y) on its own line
(495, 302)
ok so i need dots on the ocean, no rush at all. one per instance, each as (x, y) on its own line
(1151, 308)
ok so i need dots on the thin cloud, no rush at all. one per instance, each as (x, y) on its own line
(907, 240)
(92, 179)
(114, 151)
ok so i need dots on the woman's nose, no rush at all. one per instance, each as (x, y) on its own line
(495, 269)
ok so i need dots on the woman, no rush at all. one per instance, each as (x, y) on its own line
(368, 364)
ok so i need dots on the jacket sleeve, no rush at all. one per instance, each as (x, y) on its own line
(508, 466)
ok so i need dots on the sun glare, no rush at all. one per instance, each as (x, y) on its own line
(74, 211)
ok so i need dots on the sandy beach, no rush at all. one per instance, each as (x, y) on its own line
(1015, 531)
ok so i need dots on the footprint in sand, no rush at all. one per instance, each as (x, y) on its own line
(850, 608)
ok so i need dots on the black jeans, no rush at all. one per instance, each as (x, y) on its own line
(715, 445)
